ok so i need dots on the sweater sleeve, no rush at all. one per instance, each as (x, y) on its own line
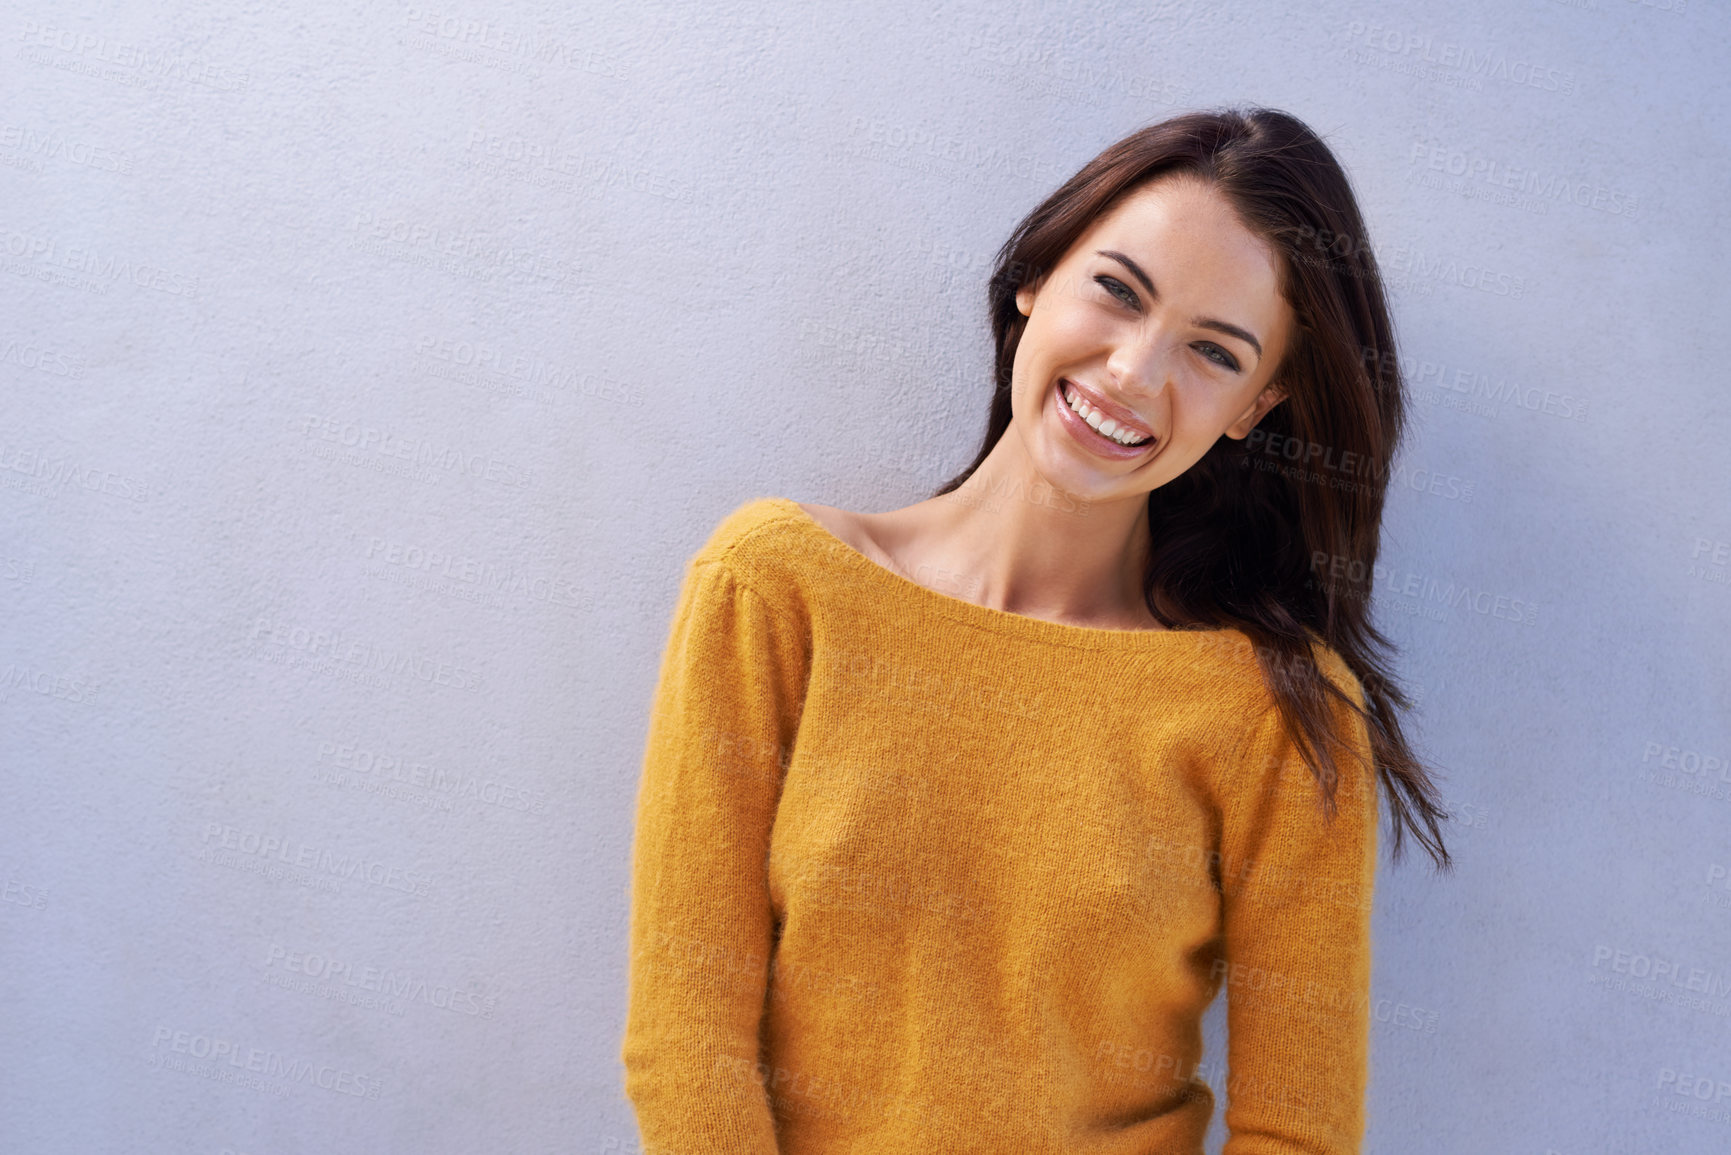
(725, 711)
(1297, 950)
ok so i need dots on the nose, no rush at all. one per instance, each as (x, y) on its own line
(1141, 365)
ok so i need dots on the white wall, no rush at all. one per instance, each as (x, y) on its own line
(368, 381)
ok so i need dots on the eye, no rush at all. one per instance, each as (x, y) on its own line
(1119, 289)
(1225, 358)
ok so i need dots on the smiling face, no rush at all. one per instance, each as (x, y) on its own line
(1164, 319)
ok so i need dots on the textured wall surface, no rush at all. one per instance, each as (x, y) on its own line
(368, 379)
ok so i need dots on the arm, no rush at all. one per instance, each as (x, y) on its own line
(1297, 950)
(726, 707)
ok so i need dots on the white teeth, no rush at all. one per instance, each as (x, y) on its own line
(1107, 426)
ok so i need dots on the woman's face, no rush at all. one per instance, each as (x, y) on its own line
(1165, 316)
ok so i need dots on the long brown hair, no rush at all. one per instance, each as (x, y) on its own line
(1245, 538)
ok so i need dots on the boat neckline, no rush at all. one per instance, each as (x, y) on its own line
(986, 617)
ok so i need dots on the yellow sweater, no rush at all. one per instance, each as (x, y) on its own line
(912, 874)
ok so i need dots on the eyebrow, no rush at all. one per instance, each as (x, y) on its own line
(1226, 327)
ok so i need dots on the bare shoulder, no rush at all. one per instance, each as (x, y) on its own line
(837, 521)
(855, 529)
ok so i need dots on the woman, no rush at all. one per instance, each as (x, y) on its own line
(955, 818)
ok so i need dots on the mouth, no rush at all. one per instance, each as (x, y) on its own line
(1107, 436)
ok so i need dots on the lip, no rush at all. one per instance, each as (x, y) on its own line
(1090, 438)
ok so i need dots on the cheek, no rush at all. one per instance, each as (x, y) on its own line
(1199, 413)
(1065, 323)
(1046, 343)
(1076, 327)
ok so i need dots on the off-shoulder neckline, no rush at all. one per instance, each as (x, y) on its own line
(906, 590)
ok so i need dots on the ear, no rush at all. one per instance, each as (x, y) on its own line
(1270, 396)
(1025, 297)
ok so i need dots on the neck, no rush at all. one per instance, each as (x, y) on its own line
(1015, 543)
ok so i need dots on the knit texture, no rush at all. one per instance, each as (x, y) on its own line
(912, 874)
